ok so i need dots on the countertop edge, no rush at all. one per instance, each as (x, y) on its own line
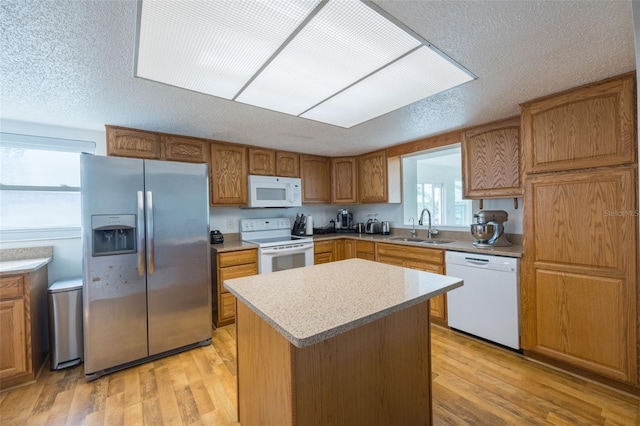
(34, 265)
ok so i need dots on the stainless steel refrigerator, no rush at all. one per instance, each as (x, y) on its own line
(146, 284)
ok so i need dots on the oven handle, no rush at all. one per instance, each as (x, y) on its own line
(296, 248)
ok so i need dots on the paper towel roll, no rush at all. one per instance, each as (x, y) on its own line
(309, 226)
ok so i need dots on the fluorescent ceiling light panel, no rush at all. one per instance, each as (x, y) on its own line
(344, 42)
(340, 62)
(213, 47)
(420, 74)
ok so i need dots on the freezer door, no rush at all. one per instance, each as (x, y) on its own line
(114, 286)
(178, 283)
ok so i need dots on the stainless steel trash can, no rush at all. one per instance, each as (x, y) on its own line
(65, 323)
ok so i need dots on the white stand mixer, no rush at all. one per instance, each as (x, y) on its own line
(488, 229)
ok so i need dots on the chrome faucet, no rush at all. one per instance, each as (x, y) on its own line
(413, 230)
(431, 232)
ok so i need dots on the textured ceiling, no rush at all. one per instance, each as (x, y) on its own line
(70, 63)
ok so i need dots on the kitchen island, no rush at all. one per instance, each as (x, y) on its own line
(339, 343)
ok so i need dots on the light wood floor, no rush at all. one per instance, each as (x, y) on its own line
(473, 383)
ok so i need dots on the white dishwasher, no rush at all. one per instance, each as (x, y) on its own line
(488, 304)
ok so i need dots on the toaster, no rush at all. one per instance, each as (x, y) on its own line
(373, 227)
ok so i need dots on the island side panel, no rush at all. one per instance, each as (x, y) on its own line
(379, 373)
(264, 372)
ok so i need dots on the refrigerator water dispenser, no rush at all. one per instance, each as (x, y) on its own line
(113, 234)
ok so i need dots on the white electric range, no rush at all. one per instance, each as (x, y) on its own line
(277, 248)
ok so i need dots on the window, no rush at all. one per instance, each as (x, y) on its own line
(433, 179)
(40, 186)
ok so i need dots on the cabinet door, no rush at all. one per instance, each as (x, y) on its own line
(349, 248)
(287, 164)
(339, 249)
(372, 177)
(13, 343)
(123, 142)
(578, 281)
(227, 308)
(586, 127)
(344, 178)
(190, 150)
(316, 179)
(438, 304)
(228, 174)
(491, 160)
(262, 162)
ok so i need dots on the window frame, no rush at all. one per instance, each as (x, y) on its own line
(406, 215)
(43, 143)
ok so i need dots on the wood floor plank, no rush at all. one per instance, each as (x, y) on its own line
(474, 383)
(114, 409)
(167, 398)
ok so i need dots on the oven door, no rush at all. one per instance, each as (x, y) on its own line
(289, 256)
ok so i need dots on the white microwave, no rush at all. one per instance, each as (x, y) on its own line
(274, 191)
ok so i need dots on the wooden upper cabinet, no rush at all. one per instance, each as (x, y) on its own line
(491, 160)
(372, 177)
(344, 179)
(123, 142)
(228, 174)
(191, 150)
(287, 164)
(262, 162)
(590, 126)
(316, 179)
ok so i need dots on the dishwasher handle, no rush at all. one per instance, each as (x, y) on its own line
(476, 261)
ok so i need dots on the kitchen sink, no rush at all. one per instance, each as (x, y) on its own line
(436, 242)
(420, 240)
(408, 239)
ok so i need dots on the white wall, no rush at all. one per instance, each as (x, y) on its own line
(67, 252)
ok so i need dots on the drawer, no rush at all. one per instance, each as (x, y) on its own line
(227, 306)
(365, 247)
(238, 271)
(323, 246)
(408, 253)
(239, 257)
(11, 287)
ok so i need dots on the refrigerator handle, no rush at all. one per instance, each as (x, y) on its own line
(140, 233)
(150, 239)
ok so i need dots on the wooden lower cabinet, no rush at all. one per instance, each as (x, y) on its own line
(423, 259)
(225, 266)
(324, 252)
(365, 250)
(578, 286)
(24, 332)
(13, 346)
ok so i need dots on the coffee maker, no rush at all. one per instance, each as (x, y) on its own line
(344, 222)
(488, 229)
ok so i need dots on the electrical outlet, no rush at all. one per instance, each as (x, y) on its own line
(229, 223)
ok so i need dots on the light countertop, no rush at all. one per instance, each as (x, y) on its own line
(515, 250)
(311, 304)
(233, 246)
(24, 266)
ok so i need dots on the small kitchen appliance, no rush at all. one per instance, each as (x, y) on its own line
(386, 227)
(344, 221)
(488, 229)
(373, 227)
